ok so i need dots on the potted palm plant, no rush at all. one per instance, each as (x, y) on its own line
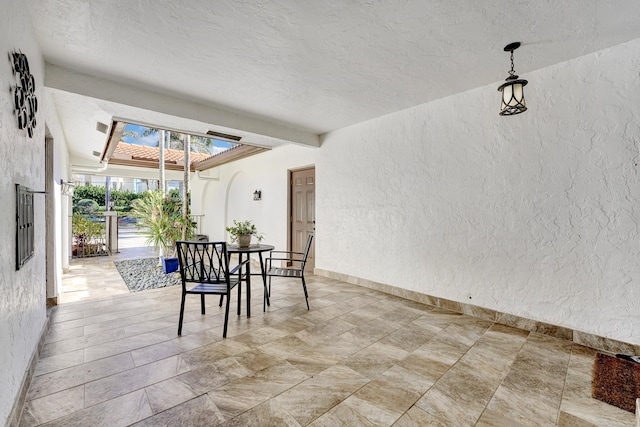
(242, 232)
(161, 218)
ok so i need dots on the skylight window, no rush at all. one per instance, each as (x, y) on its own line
(150, 137)
(137, 145)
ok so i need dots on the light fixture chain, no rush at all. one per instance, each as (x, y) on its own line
(512, 72)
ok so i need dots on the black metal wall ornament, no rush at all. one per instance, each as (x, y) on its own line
(24, 225)
(25, 101)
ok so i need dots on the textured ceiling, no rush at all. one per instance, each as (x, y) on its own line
(309, 66)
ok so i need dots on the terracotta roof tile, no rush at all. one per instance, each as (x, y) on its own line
(141, 152)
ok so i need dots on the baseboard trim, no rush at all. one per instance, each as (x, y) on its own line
(18, 406)
(578, 337)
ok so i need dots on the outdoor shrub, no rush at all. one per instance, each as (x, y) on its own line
(86, 207)
(92, 192)
(87, 235)
(121, 199)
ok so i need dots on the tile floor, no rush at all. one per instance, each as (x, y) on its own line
(357, 358)
(80, 283)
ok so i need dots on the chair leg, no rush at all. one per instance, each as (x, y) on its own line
(239, 294)
(181, 315)
(202, 303)
(226, 317)
(268, 291)
(221, 299)
(306, 295)
(248, 293)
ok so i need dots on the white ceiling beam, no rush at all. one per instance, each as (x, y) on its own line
(95, 87)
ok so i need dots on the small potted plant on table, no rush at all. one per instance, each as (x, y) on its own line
(242, 231)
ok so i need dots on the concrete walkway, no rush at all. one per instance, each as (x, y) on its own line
(97, 277)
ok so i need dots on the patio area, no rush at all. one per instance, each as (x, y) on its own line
(358, 358)
(97, 277)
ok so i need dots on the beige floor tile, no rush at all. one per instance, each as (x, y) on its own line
(416, 417)
(449, 409)
(121, 411)
(256, 360)
(375, 359)
(214, 375)
(261, 336)
(373, 414)
(384, 400)
(56, 334)
(202, 357)
(245, 393)
(285, 347)
(315, 396)
(62, 361)
(197, 412)
(341, 415)
(493, 419)
(314, 360)
(155, 352)
(358, 357)
(459, 396)
(63, 379)
(269, 413)
(408, 337)
(82, 342)
(53, 406)
(125, 345)
(133, 379)
(537, 375)
(168, 393)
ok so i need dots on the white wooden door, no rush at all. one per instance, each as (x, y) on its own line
(303, 212)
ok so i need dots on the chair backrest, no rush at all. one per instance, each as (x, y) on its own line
(307, 249)
(203, 262)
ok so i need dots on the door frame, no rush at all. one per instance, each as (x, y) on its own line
(51, 256)
(290, 173)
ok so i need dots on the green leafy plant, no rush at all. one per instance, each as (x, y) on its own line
(92, 192)
(86, 207)
(87, 236)
(243, 228)
(122, 199)
(162, 220)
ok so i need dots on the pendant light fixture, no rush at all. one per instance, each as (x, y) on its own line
(512, 90)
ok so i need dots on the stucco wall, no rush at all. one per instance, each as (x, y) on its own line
(22, 160)
(535, 215)
(232, 196)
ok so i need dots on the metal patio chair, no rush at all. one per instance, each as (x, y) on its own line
(294, 263)
(206, 264)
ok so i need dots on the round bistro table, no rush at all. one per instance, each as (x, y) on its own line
(247, 251)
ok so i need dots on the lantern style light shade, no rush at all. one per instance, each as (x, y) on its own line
(67, 187)
(513, 97)
(512, 90)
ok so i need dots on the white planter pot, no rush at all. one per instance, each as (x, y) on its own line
(244, 240)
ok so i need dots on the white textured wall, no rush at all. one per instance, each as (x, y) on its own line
(22, 301)
(535, 215)
(232, 196)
